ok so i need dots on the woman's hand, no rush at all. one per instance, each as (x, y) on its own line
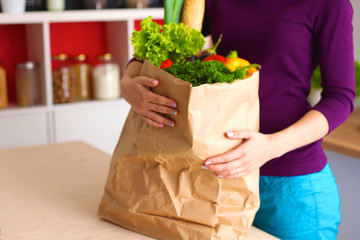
(147, 104)
(258, 148)
(255, 150)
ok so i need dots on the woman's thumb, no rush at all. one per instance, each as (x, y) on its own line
(149, 82)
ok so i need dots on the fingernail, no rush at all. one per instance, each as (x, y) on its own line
(171, 124)
(204, 167)
(154, 82)
(220, 176)
(174, 113)
(160, 125)
(229, 134)
(173, 105)
(207, 163)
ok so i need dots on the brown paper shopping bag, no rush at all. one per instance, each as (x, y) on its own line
(155, 184)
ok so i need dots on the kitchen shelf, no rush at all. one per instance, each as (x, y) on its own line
(346, 138)
(88, 104)
(36, 37)
(81, 15)
(16, 110)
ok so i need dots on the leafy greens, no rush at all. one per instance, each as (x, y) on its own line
(174, 41)
(208, 72)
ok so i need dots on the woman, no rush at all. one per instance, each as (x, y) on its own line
(289, 39)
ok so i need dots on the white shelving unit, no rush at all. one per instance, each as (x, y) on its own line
(97, 122)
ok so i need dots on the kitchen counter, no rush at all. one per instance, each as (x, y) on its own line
(346, 138)
(52, 192)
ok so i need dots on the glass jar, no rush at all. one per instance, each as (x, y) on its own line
(3, 88)
(106, 78)
(27, 84)
(155, 3)
(81, 73)
(55, 5)
(35, 5)
(13, 6)
(64, 87)
(95, 4)
(137, 3)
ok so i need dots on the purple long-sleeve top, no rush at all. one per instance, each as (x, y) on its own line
(290, 38)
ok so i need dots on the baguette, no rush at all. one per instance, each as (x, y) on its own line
(193, 13)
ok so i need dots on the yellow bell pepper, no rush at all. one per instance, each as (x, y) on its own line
(234, 62)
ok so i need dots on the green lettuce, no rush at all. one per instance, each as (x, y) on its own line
(174, 41)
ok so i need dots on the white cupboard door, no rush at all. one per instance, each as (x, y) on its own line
(99, 126)
(23, 130)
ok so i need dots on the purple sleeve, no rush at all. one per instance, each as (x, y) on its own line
(133, 60)
(334, 40)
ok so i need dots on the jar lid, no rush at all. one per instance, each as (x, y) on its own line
(105, 57)
(80, 57)
(61, 57)
(26, 65)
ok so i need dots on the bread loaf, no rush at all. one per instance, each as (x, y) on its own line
(193, 13)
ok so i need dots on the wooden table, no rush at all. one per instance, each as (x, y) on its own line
(52, 192)
(346, 138)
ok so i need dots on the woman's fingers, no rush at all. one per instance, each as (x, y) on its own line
(234, 163)
(160, 101)
(152, 123)
(235, 153)
(158, 119)
(153, 108)
(234, 167)
(145, 81)
(153, 97)
(236, 172)
(158, 109)
(239, 134)
(225, 157)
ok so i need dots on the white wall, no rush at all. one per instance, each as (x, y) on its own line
(356, 22)
(347, 169)
(347, 173)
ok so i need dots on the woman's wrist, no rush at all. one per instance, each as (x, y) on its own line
(280, 146)
(310, 128)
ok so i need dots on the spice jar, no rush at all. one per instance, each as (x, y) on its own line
(106, 78)
(27, 84)
(3, 88)
(95, 4)
(64, 88)
(81, 74)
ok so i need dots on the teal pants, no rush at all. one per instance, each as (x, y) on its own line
(300, 207)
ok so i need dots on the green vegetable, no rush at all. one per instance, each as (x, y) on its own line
(316, 79)
(172, 11)
(357, 78)
(208, 72)
(210, 51)
(232, 54)
(176, 41)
